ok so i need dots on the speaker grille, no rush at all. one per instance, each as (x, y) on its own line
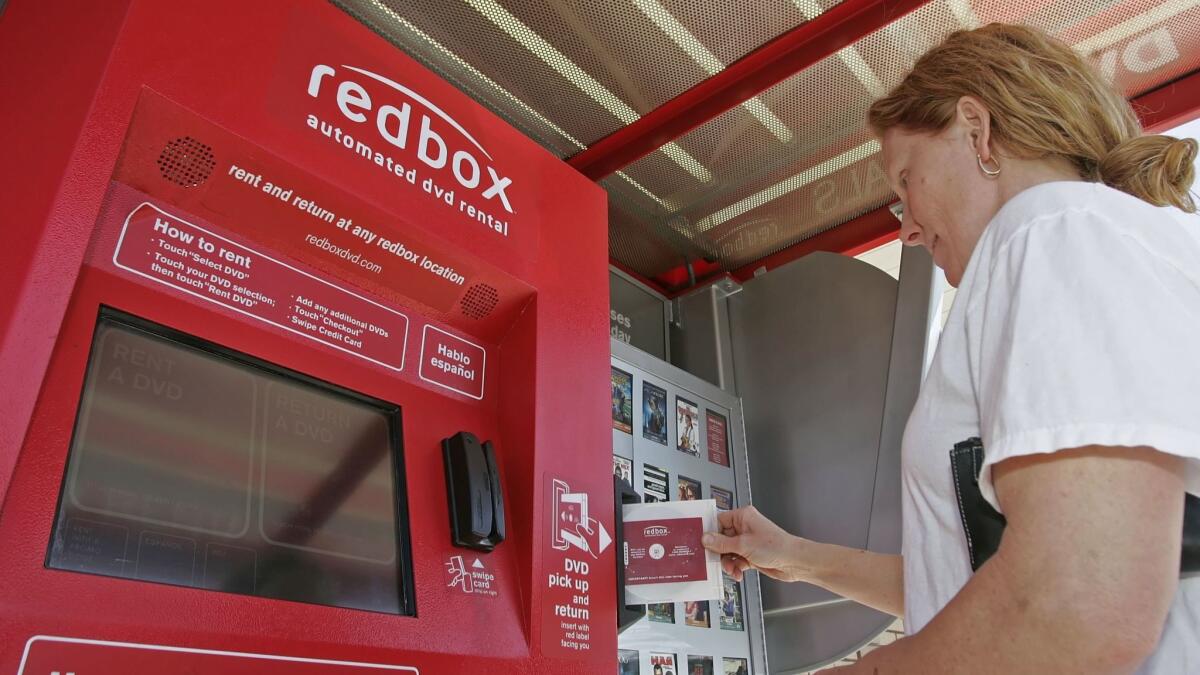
(479, 301)
(186, 161)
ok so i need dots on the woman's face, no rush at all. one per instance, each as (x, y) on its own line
(947, 199)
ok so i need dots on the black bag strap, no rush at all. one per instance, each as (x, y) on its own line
(984, 526)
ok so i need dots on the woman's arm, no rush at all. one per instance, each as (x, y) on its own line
(872, 579)
(1084, 577)
(752, 541)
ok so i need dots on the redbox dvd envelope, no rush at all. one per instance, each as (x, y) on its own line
(664, 559)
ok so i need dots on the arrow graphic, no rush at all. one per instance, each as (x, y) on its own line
(594, 536)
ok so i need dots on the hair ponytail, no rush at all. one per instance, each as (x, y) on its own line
(1156, 169)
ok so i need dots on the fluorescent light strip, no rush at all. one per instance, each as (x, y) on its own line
(689, 163)
(809, 8)
(643, 190)
(857, 65)
(577, 76)
(763, 114)
(964, 13)
(1135, 25)
(847, 55)
(501, 90)
(788, 185)
(549, 55)
(682, 37)
(458, 61)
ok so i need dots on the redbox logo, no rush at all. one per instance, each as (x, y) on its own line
(439, 139)
(655, 531)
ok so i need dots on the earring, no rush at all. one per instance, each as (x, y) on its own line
(990, 173)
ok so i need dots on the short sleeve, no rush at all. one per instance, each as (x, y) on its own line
(1085, 335)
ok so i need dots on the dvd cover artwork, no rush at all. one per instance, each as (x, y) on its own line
(723, 497)
(687, 426)
(661, 612)
(688, 489)
(731, 604)
(622, 400)
(695, 613)
(735, 666)
(654, 484)
(700, 665)
(628, 662)
(654, 413)
(623, 469)
(662, 664)
(718, 438)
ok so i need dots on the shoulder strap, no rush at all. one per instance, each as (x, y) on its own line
(984, 526)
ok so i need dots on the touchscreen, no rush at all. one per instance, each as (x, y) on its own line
(197, 467)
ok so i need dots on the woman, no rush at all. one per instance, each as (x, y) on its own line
(1070, 350)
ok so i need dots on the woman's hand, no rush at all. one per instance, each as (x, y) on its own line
(749, 540)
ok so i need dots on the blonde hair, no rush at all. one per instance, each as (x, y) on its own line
(1045, 101)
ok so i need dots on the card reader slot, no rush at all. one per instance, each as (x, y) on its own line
(473, 491)
(623, 493)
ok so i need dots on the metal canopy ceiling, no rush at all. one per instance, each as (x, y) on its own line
(771, 171)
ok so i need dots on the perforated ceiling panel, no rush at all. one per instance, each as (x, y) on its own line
(573, 71)
(788, 164)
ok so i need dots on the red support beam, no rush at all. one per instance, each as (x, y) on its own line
(870, 244)
(646, 281)
(841, 26)
(861, 234)
(875, 226)
(1159, 110)
(1170, 105)
(677, 280)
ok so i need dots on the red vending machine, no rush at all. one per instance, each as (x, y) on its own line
(304, 357)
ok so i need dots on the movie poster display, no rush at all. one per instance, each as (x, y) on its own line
(661, 612)
(678, 637)
(718, 438)
(735, 667)
(695, 613)
(700, 665)
(628, 662)
(622, 400)
(665, 662)
(723, 497)
(731, 604)
(687, 416)
(654, 413)
(623, 469)
(654, 484)
(688, 489)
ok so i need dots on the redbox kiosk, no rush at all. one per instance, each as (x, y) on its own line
(305, 353)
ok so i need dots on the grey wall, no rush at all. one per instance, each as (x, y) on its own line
(910, 333)
(812, 344)
(700, 336)
(828, 370)
(826, 354)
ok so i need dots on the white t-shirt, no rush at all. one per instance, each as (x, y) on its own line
(1077, 322)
